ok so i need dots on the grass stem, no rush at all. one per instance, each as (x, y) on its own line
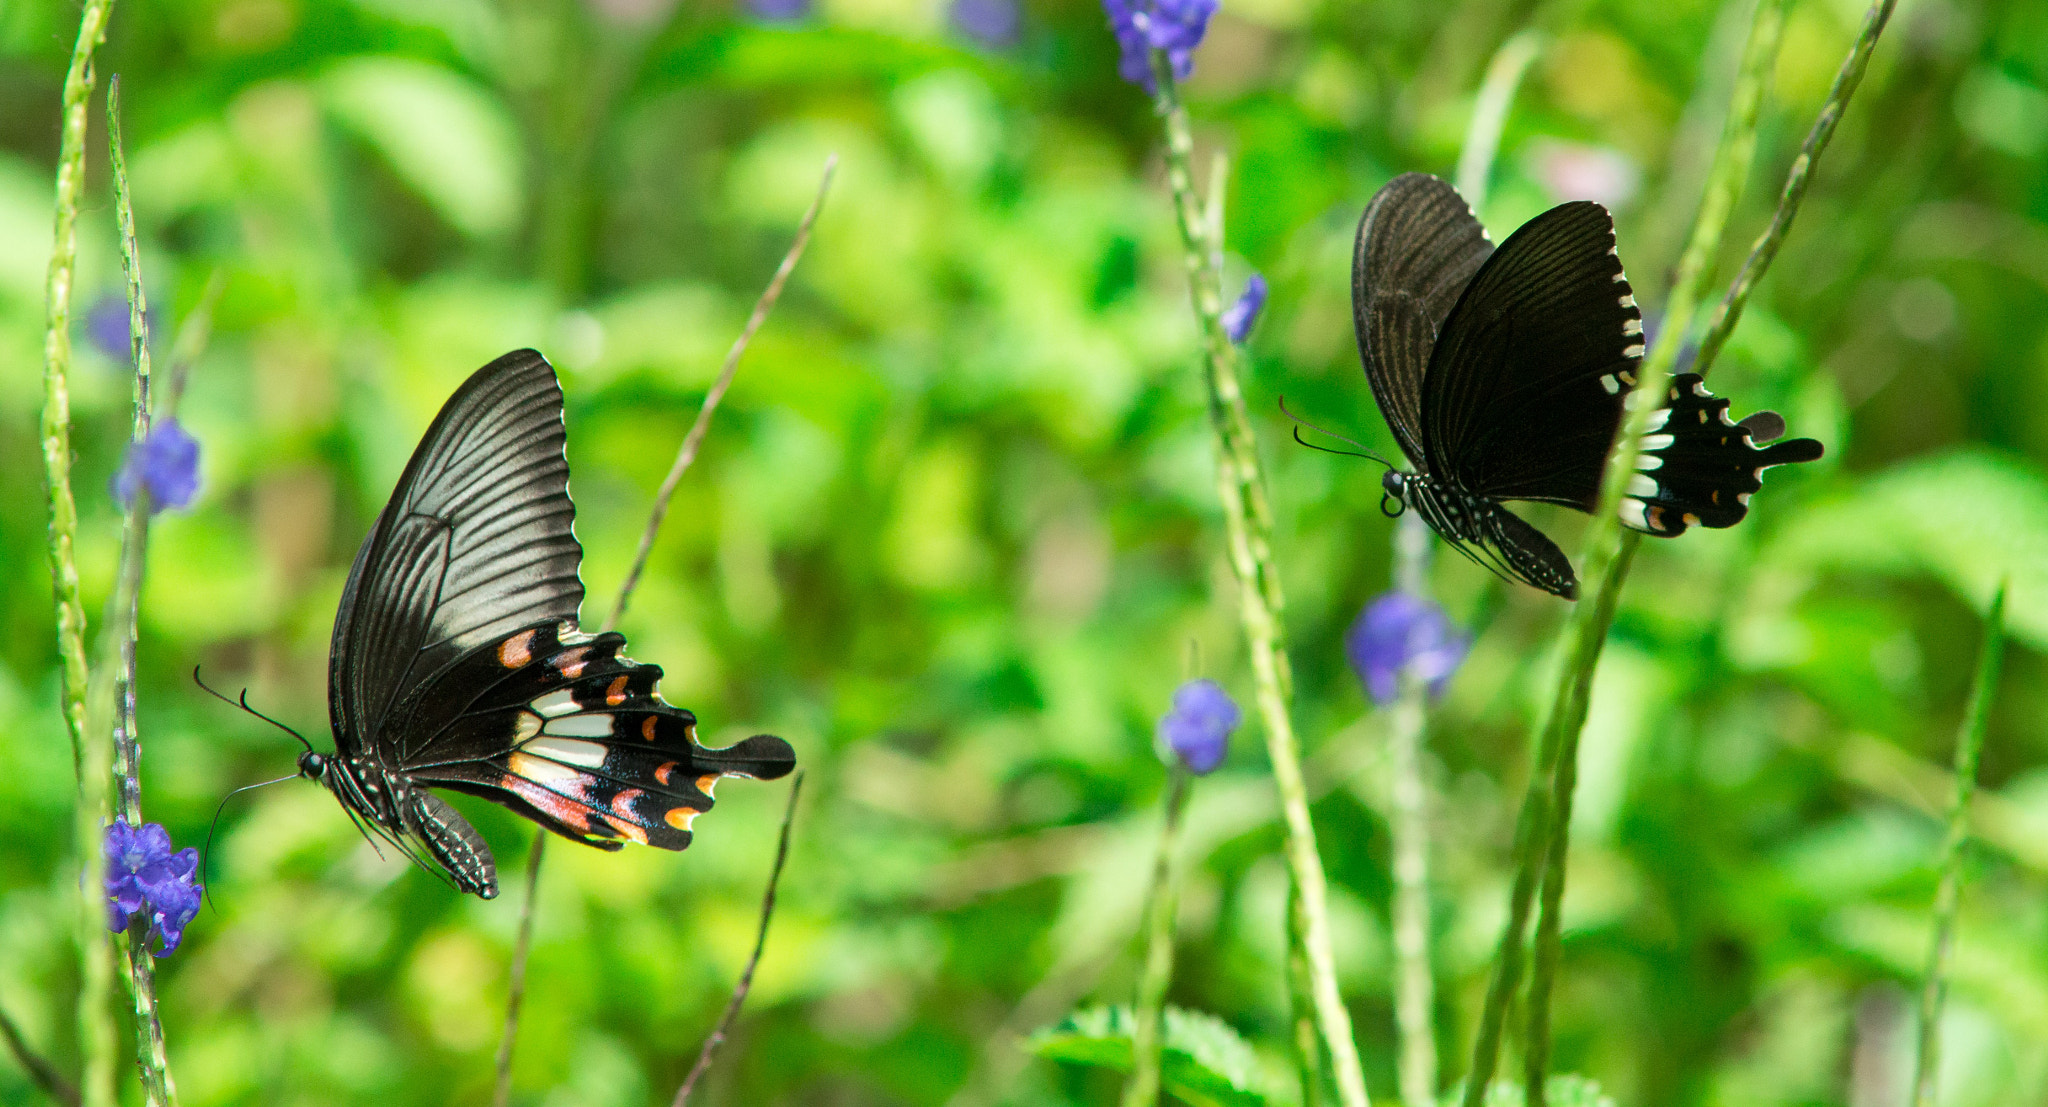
(1969, 744)
(1248, 526)
(89, 756)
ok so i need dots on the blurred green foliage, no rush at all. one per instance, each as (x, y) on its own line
(955, 529)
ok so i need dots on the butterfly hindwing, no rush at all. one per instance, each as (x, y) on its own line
(568, 732)
(1699, 468)
(1418, 247)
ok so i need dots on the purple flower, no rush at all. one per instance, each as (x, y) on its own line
(1399, 632)
(144, 878)
(1142, 26)
(1239, 317)
(106, 327)
(1197, 731)
(166, 465)
(993, 23)
(779, 11)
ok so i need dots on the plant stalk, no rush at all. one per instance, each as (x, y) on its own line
(1606, 560)
(1969, 743)
(124, 628)
(89, 757)
(1161, 904)
(1248, 527)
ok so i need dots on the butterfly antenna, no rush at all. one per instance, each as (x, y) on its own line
(243, 703)
(206, 852)
(1363, 451)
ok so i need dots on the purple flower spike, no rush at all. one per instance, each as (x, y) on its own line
(166, 464)
(1399, 632)
(1142, 26)
(1197, 731)
(1239, 317)
(146, 878)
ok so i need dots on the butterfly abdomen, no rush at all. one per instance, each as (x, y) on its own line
(1698, 467)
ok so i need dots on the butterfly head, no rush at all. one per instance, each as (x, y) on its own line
(1394, 500)
(313, 766)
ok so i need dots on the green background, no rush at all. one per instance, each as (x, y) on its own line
(955, 534)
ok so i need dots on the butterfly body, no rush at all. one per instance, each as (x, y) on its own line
(1504, 375)
(457, 661)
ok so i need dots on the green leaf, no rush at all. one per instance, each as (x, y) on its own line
(450, 140)
(1969, 517)
(1558, 1091)
(1205, 1062)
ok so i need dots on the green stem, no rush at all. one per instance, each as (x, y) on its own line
(1307, 1046)
(1729, 311)
(123, 629)
(1248, 527)
(1415, 986)
(1490, 114)
(89, 757)
(1969, 743)
(1160, 904)
(1605, 568)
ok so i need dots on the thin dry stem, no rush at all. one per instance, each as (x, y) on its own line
(746, 980)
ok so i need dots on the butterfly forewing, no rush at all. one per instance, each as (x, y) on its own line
(483, 507)
(1525, 387)
(1418, 247)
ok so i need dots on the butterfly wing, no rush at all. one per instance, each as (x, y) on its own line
(475, 543)
(1699, 468)
(1525, 386)
(562, 728)
(1418, 247)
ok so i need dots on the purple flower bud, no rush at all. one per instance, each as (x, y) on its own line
(1239, 317)
(1398, 632)
(1197, 731)
(1142, 26)
(145, 878)
(166, 465)
(995, 24)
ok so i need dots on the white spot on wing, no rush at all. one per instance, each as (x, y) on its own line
(590, 755)
(1633, 349)
(1628, 300)
(1632, 326)
(1611, 384)
(561, 701)
(1648, 463)
(580, 726)
(1640, 485)
(1634, 513)
(526, 727)
(1657, 441)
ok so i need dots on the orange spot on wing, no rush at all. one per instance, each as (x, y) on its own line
(571, 662)
(632, 832)
(647, 727)
(680, 817)
(623, 802)
(517, 651)
(707, 782)
(616, 694)
(661, 774)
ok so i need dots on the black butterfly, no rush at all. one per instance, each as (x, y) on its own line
(1503, 374)
(457, 662)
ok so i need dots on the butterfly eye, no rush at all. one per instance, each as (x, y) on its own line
(312, 765)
